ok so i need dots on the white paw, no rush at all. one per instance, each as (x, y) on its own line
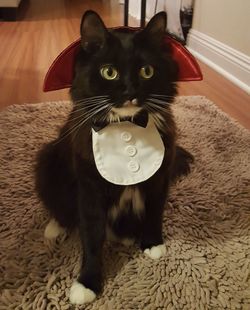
(53, 229)
(79, 294)
(156, 252)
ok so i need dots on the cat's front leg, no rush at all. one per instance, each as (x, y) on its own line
(152, 242)
(92, 233)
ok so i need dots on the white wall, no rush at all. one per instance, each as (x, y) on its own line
(227, 21)
(220, 37)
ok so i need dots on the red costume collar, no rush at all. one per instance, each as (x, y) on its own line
(61, 72)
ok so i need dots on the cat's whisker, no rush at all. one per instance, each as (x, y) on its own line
(157, 116)
(90, 115)
(165, 95)
(92, 104)
(71, 130)
(86, 106)
(79, 124)
(90, 98)
(161, 101)
(82, 116)
(87, 112)
(157, 108)
(162, 96)
(87, 109)
(85, 120)
(157, 120)
(164, 107)
(158, 101)
(66, 133)
(150, 109)
(105, 114)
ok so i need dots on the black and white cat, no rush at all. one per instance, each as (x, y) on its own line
(122, 78)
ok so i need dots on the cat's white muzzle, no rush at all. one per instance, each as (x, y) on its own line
(129, 108)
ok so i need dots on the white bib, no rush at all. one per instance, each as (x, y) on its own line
(127, 154)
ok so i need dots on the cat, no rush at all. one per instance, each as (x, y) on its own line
(120, 76)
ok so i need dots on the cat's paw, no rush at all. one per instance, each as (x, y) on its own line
(53, 230)
(156, 252)
(79, 294)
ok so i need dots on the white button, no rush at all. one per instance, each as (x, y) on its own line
(126, 136)
(133, 166)
(131, 150)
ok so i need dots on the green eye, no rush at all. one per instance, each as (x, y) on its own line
(109, 72)
(147, 72)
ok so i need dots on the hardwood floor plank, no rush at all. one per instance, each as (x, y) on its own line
(29, 46)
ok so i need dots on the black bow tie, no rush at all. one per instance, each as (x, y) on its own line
(140, 119)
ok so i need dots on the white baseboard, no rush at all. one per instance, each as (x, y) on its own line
(229, 62)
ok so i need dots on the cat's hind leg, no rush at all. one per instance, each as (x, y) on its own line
(56, 187)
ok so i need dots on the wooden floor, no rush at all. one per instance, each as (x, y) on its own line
(46, 27)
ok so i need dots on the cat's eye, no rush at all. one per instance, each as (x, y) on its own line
(147, 72)
(109, 72)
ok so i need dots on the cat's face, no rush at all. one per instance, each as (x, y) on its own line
(119, 73)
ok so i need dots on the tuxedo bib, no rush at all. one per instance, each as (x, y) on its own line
(127, 154)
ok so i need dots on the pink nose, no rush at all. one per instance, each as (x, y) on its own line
(130, 103)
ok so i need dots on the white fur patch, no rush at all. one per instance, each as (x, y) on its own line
(112, 237)
(53, 229)
(156, 252)
(79, 294)
(130, 194)
(125, 111)
(138, 201)
(127, 241)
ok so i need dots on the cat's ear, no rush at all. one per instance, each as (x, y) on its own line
(93, 32)
(156, 28)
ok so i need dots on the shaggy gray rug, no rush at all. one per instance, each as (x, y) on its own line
(206, 222)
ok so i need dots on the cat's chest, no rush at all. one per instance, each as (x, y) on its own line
(131, 199)
(126, 154)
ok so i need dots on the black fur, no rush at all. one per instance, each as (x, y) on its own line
(66, 176)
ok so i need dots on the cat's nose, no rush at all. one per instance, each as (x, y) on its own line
(129, 93)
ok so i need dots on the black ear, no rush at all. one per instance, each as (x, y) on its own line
(93, 32)
(156, 28)
(157, 24)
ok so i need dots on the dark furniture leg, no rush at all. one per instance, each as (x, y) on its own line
(126, 7)
(143, 13)
(9, 14)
